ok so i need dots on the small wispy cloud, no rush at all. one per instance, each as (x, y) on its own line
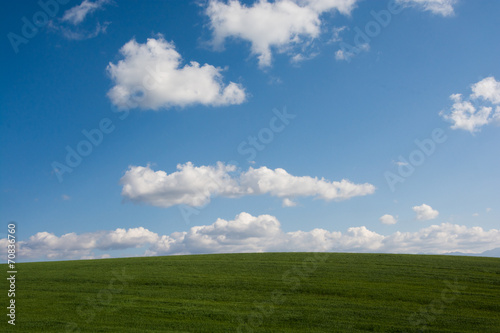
(289, 203)
(336, 31)
(77, 14)
(438, 7)
(73, 34)
(70, 26)
(400, 163)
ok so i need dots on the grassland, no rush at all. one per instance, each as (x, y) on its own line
(269, 292)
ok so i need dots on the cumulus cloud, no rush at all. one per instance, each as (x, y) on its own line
(464, 115)
(425, 212)
(477, 110)
(189, 185)
(280, 25)
(439, 7)
(74, 246)
(194, 186)
(487, 89)
(388, 219)
(151, 76)
(247, 233)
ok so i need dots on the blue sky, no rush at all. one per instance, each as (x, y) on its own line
(356, 104)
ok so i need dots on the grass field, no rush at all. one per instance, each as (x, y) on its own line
(269, 292)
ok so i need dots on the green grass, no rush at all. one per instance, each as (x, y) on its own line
(268, 292)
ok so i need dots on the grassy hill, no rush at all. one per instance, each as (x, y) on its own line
(269, 292)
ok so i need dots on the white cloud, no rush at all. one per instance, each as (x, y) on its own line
(247, 233)
(300, 57)
(268, 26)
(71, 245)
(340, 55)
(344, 7)
(441, 7)
(488, 89)
(470, 114)
(289, 203)
(425, 212)
(65, 197)
(388, 219)
(194, 186)
(73, 34)
(466, 116)
(346, 52)
(102, 256)
(280, 183)
(336, 34)
(189, 185)
(443, 238)
(400, 163)
(151, 76)
(77, 14)
(70, 25)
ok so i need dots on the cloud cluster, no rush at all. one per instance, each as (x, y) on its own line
(278, 25)
(439, 7)
(476, 111)
(425, 212)
(151, 76)
(71, 245)
(247, 233)
(194, 186)
(290, 25)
